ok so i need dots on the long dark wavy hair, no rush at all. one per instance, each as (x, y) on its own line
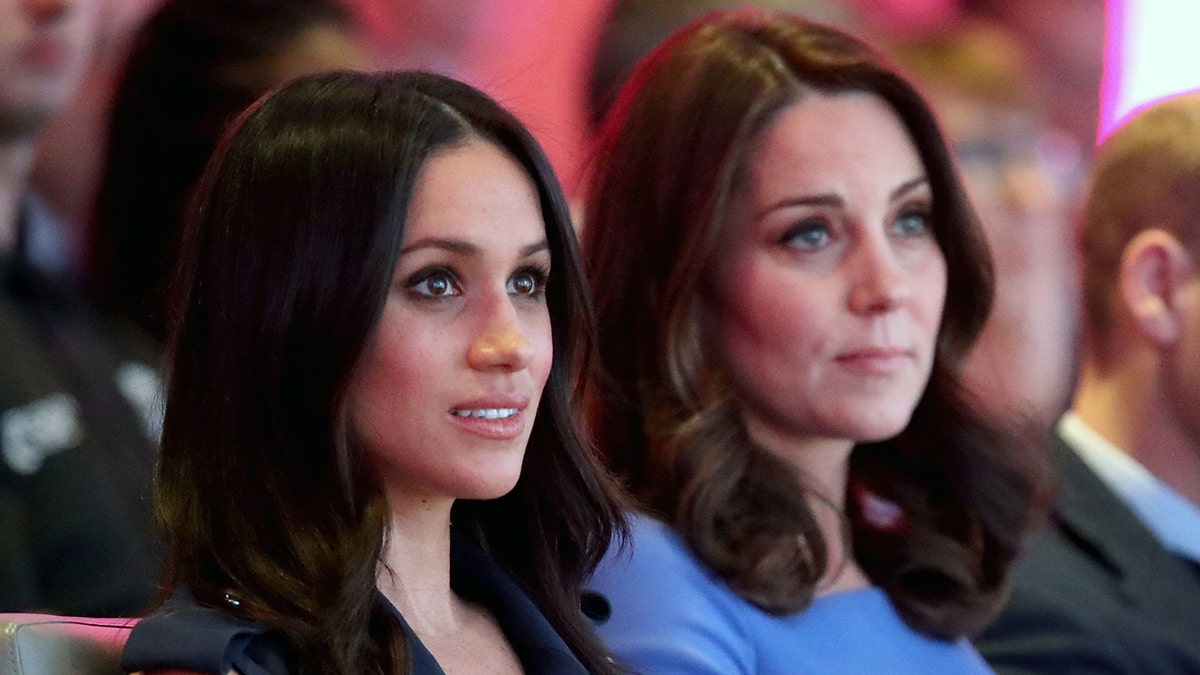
(289, 254)
(670, 157)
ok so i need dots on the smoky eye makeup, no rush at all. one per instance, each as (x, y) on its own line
(432, 282)
(529, 281)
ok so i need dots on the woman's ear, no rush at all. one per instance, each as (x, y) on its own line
(1154, 268)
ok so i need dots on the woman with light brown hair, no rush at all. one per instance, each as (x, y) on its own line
(788, 276)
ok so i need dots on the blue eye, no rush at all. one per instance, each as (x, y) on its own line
(528, 282)
(912, 224)
(437, 283)
(810, 235)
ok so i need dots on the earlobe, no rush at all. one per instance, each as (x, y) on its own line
(1153, 269)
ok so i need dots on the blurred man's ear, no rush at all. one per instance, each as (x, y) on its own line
(1154, 269)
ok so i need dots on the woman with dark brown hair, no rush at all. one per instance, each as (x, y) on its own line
(788, 275)
(370, 461)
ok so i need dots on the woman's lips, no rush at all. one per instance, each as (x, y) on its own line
(494, 417)
(875, 360)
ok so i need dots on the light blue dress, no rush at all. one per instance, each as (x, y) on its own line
(671, 615)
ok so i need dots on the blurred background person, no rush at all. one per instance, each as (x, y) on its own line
(1064, 41)
(67, 148)
(192, 67)
(788, 274)
(632, 28)
(1114, 586)
(77, 420)
(1024, 178)
(528, 53)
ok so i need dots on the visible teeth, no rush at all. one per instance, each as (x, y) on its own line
(486, 413)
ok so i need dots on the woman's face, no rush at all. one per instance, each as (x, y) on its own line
(446, 393)
(825, 303)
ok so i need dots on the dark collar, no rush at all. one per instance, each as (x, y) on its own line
(478, 578)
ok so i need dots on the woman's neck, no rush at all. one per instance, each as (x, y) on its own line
(822, 467)
(415, 576)
(415, 571)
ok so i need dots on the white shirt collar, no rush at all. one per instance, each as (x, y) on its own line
(1173, 519)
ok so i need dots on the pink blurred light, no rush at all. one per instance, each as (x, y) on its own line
(1151, 51)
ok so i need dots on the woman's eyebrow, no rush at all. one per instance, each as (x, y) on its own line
(529, 250)
(802, 200)
(908, 186)
(450, 245)
(465, 247)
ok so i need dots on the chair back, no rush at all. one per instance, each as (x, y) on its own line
(43, 644)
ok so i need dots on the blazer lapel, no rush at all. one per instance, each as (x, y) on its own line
(476, 576)
(1145, 573)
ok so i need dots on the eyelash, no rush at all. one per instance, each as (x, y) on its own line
(812, 225)
(540, 276)
(428, 274)
(915, 210)
(806, 226)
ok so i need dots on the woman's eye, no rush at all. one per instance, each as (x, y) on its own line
(808, 236)
(436, 284)
(530, 283)
(912, 224)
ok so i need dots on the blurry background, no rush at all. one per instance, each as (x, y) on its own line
(536, 56)
(1022, 87)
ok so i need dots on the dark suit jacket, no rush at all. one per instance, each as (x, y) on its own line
(77, 531)
(1096, 592)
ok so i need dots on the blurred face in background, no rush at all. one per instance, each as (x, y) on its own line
(825, 307)
(1023, 176)
(45, 46)
(1023, 179)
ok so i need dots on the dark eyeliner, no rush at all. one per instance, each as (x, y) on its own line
(427, 273)
(540, 274)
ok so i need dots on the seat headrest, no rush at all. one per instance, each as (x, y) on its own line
(43, 644)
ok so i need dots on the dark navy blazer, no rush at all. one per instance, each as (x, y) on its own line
(1096, 592)
(185, 635)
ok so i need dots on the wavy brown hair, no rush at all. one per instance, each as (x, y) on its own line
(670, 158)
(263, 492)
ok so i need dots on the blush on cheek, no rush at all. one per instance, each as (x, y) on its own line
(543, 360)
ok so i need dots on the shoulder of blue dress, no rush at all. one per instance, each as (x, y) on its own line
(656, 550)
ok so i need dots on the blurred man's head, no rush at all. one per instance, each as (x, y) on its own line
(44, 49)
(1141, 274)
(1142, 252)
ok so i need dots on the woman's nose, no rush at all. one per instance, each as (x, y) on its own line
(501, 342)
(879, 283)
